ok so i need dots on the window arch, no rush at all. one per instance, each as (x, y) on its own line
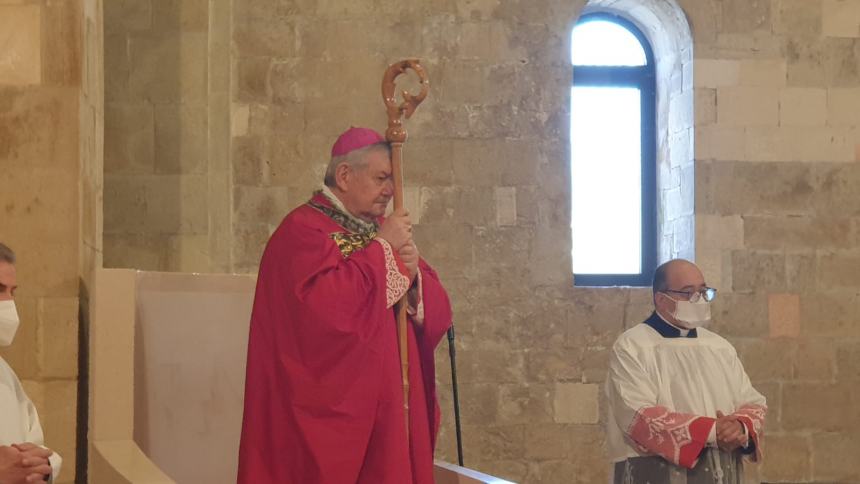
(613, 153)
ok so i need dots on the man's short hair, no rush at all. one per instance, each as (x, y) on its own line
(6, 254)
(355, 159)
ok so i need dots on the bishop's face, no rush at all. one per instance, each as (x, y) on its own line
(368, 189)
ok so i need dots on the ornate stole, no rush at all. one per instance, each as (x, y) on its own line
(360, 233)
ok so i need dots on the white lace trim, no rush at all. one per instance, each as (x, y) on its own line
(396, 284)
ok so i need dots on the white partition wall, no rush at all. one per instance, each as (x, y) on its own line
(191, 339)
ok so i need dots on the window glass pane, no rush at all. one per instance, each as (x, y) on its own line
(606, 180)
(603, 43)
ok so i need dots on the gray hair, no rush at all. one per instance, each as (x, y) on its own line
(354, 159)
(6, 254)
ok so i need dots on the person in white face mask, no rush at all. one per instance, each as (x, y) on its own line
(681, 407)
(23, 457)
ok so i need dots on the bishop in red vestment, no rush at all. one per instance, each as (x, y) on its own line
(323, 395)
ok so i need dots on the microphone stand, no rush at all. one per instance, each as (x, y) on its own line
(453, 354)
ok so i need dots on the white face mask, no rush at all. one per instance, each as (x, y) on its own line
(8, 322)
(692, 314)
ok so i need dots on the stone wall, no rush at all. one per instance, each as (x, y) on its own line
(776, 90)
(167, 135)
(40, 91)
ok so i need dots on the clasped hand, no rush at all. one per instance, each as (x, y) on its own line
(730, 432)
(397, 231)
(22, 463)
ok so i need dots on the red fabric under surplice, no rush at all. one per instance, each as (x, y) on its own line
(323, 399)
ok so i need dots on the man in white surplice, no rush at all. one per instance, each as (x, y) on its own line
(23, 457)
(681, 407)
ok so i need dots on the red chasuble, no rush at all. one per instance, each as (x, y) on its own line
(323, 395)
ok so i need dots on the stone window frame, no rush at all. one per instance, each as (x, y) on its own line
(665, 25)
(642, 77)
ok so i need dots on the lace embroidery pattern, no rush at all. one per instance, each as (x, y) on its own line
(396, 284)
(670, 435)
(752, 417)
(755, 413)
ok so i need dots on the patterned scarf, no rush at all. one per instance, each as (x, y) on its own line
(360, 232)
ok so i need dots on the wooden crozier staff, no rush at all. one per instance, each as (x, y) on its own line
(396, 136)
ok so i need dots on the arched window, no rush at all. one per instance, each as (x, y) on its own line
(613, 149)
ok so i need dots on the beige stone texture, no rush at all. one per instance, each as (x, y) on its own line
(740, 315)
(129, 139)
(772, 391)
(784, 315)
(838, 270)
(20, 44)
(848, 362)
(180, 15)
(798, 232)
(169, 67)
(506, 206)
(843, 107)
(127, 16)
(802, 107)
(798, 17)
(758, 271)
(717, 232)
(61, 52)
(168, 89)
(796, 143)
(802, 404)
(840, 18)
(747, 106)
(767, 360)
(814, 360)
(705, 105)
(252, 79)
(265, 205)
(576, 403)
(239, 120)
(717, 142)
(711, 262)
(188, 253)
(806, 61)
(756, 188)
(744, 16)
(716, 73)
(830, 314)
(789, 458)
(181, 136)
(58, 330)
(834, 457)
(800, 270)
(768, 73)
